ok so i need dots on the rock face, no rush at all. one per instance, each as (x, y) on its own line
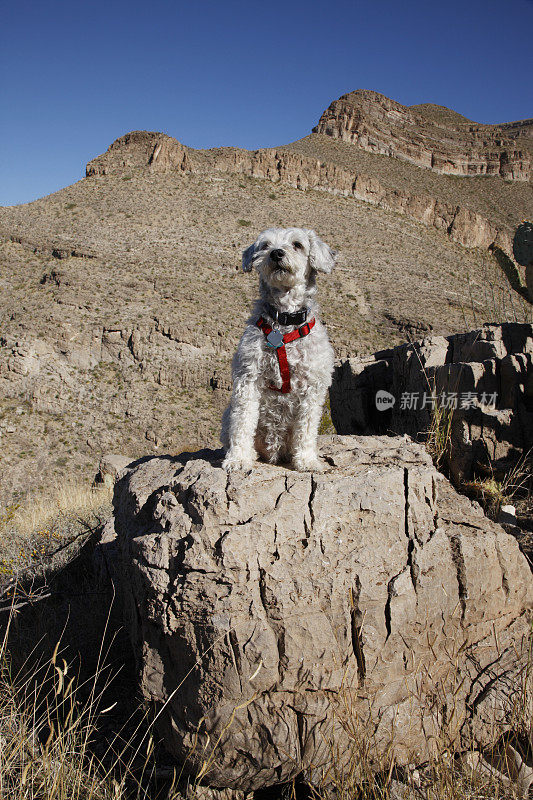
(490, 372)
(139, 149)
(157, 152)
(280, 614)
(429, 136)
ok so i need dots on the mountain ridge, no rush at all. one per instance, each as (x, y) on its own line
(430, 136)
(160, 153)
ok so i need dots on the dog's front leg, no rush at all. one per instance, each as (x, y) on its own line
(305, 431)
(243, 415)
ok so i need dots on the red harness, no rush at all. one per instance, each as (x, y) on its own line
(278, 343)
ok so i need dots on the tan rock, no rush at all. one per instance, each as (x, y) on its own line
(272, 610)
(428, 136)
(110, 467)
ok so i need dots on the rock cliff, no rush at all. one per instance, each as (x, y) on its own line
(430, 136)
(159, 153)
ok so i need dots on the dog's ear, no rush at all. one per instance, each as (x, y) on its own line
(247, 256)
(321, 257)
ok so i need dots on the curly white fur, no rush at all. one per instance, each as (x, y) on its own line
(280, 427)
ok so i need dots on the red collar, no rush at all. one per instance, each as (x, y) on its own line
(278, 342)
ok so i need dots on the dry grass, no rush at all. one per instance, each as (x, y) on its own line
(50, 723)
(515, 484)
(501, 771)
(33, 529)
(45, 743)
(69, 499)
(44, 733)
(491, 493)
(438, 435)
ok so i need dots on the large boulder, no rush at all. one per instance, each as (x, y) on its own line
(279, 615)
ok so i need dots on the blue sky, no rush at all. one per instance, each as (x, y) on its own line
(76, 75)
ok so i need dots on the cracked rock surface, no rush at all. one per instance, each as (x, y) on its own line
(277, 614)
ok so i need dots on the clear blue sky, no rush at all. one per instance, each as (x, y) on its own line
(76, 75)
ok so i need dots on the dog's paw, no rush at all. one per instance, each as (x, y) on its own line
(236, 463)
(308, 464)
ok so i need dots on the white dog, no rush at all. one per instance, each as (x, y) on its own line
(283, 365)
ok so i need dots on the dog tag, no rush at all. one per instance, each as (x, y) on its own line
(275, 339)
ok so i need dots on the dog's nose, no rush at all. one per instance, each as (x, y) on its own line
(277, 255)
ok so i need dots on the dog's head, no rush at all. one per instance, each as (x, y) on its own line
(288, 257)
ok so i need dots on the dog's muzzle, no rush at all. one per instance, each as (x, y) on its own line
(276, 258)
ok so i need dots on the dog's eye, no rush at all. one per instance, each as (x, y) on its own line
(264, 246)
(298, 245)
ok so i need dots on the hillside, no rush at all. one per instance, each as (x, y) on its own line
(122, 297)
(502, 202)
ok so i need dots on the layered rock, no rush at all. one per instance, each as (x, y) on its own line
(279, 616)
(484, 377)
(139, 149)
(429, 136)
(160, 153)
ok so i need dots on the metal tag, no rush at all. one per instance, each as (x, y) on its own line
(275, 339)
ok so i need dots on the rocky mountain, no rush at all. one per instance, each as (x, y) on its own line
(430, 136)
(122, 298)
